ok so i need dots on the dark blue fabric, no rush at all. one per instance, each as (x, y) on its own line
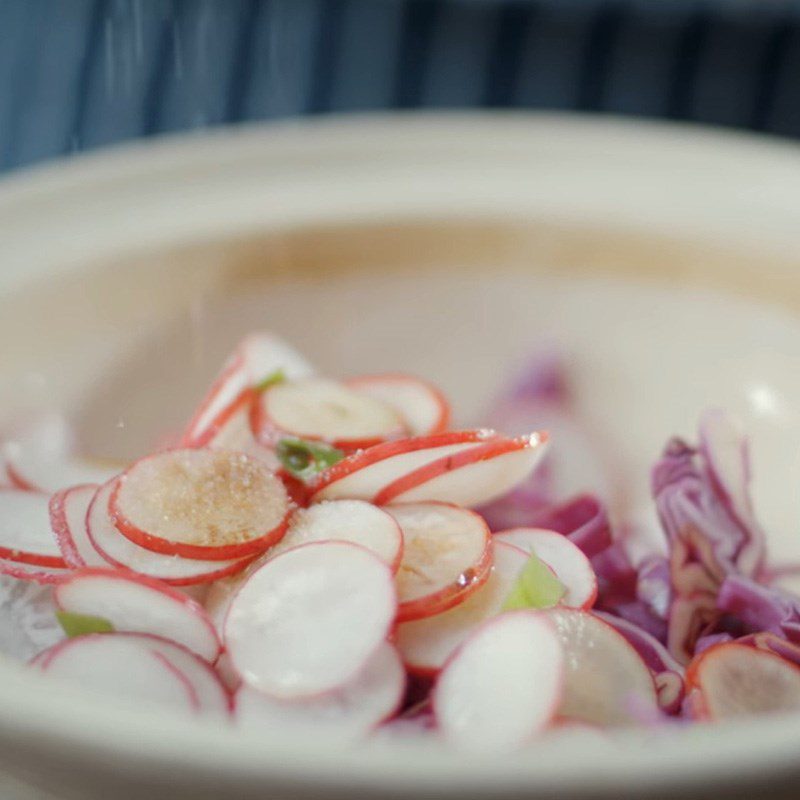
(78, 74)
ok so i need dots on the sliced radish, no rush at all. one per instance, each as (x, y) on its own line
(447, 555)
(566, 560)
(254, 359)
(503, 685)
(469, 478)
(308, 621)
(25, 533)
(134, 603)
(345, 714)
(121, 666)
(607, 683)
(422, 407)
(204, 504)
(425, 644)
(68, 509)
(31, 471)
(213, 698)
(316, 408)
(119, 551)
(363, 475)
(31, 572)
(348, 521)
(737, 681)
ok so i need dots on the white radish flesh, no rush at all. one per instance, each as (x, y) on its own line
(419, 404)
(607, 683)
(31, 572)
(473, 478)
(315, 408)
(503, 685)
(132, 603)
(308, 621)
(119, 551)
(447, 555)
(201, 504)
(363, 475)
(25, 532)
(121, 666)
(566, 560)
(347, 521)
(738, 681)
(345, 714)
(34, 472)
(68, 509)
(425, 644)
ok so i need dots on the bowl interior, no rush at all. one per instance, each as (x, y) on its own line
(655, 321)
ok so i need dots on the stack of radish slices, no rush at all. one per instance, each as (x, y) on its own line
(308, 557)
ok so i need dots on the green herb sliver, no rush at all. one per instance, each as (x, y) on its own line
(81, 624)
(279, 376)
(305, 459)
(536, 587)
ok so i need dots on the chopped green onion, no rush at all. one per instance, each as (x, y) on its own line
(81, 624)
(536, 587)
(304, 459)
(279, 376)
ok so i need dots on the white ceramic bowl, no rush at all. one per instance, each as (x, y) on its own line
(664, 258)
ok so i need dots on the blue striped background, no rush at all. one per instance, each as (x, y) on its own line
(78, 74)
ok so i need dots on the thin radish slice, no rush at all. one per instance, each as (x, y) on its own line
(68, 510)
(737, 681)
(30, 471)
(472, 477)
(503, 685)
(203, 504)
(607, 683)
(425, 644)
(566, 560)
(254, 359)
(121, 666)
(31, 572)
(25, 533)
(447, 555)
(420, 404)
(363, 475)
(346, 521)
(212, 696)
(120, 551)
(345, 714)
(308, 621)
(137, 604)
(316, 408)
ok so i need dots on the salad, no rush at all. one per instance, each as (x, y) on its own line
(332, 554)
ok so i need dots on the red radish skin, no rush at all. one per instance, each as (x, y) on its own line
(271, 415)
(426, 644)
(455, 540)
(25, 533)
(732, 681)
(436, 479)
(421, 404)
(566, 560)
(345, 714)
(337, 595)
(222, 489)
(502, 686)
(138, 604)
(120, 552)
(348, 521)
(68, 509)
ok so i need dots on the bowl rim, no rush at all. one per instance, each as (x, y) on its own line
(368, 168)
